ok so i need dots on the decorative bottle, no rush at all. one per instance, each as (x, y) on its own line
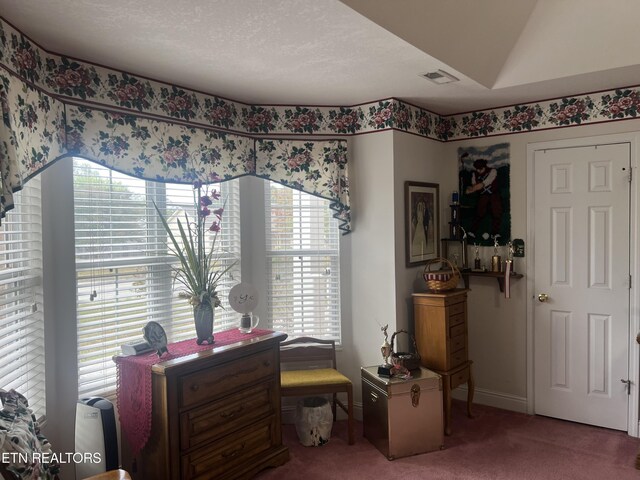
(496, 260)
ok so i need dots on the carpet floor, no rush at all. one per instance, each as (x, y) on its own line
(496, 444)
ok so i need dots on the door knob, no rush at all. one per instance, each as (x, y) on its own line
(543, 297)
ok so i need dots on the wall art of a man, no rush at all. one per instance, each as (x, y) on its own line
(484, 181)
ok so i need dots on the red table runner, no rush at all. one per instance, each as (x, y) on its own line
(134, 382)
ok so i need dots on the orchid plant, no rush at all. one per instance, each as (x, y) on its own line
(195, 248)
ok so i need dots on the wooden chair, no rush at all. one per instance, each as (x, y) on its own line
(314, 380)
(111, 475)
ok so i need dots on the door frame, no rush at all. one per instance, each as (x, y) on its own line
(633, 138)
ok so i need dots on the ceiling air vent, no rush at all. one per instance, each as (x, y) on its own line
(440, 77)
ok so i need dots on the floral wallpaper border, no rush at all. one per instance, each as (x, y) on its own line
(39, 89)
(70, 79)
(53, 106)
(66, 78)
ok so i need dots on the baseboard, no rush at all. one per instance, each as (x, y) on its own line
(480, 396)
(493, 399)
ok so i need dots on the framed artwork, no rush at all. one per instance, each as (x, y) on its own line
(485, 198)
(422, 220)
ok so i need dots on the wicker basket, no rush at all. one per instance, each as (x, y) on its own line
(410, 361)
(443, 279)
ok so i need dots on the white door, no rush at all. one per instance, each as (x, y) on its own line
(581, 252)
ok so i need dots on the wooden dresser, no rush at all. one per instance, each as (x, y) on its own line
(441, 337)
(216, 415)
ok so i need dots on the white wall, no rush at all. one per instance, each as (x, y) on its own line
(381, 285)
(376, 285)
(497, 326)
(252, 220)
(372, 259)
(59, 286)
(419, 160)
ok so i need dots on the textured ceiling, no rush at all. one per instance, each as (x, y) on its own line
(330, 52)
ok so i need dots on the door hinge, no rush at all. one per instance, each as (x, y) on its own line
(629, 282)
(630, 174)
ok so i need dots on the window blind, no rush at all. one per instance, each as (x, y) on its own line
(21, 315)
(303, 263)
(123, 269)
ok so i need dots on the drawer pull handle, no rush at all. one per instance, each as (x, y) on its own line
(266, 363)
(233, 453)
(374, 397)
(232, 413)
(195, 387)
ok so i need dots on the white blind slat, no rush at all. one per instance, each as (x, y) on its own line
(303, 266)
(21, 318)
(121, 255)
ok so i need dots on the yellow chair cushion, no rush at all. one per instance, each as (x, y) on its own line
(307, 378)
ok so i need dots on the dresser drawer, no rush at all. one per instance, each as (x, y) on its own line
(456, 319)
(455, 309)
(227, 377)
(459, 378)
(219, 459)
(460, 329)
(458, 343)
(230, 413)
(457, 358)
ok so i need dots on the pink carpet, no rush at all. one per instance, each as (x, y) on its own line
(496, 444)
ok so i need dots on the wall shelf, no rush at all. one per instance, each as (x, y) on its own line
(499, 276)
(456, 245)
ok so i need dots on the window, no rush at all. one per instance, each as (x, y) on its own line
(123, 270)
(21, 314)
(303, 263)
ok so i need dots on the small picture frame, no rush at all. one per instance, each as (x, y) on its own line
(422, 222)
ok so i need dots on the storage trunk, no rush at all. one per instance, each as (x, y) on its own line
(403, 417)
